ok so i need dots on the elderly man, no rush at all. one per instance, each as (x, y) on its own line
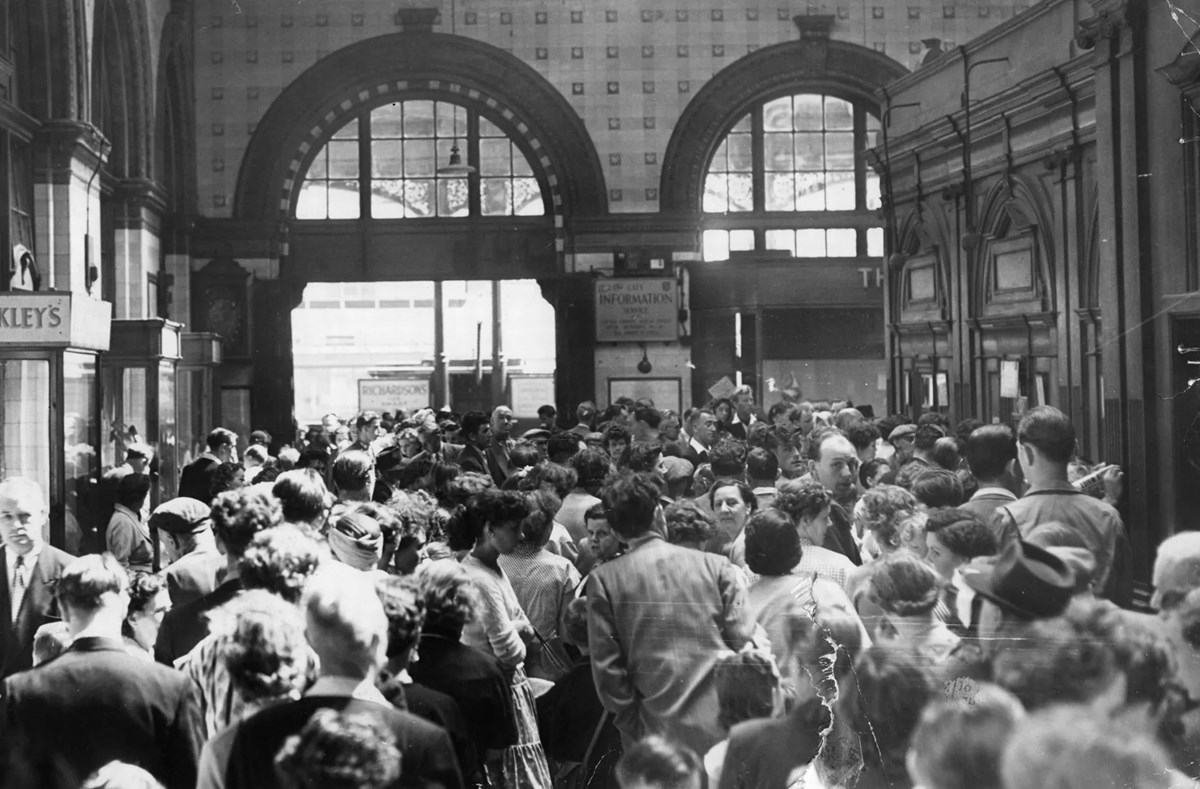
(501, 442)
(30, 567)
(657, 620)
(105, 702)
(348, 630)
(194, 565)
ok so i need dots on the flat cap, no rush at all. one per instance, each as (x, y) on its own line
(901, 431)
(181, 516)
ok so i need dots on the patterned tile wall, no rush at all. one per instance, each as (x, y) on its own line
(629, 67)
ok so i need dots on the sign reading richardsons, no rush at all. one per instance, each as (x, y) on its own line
(54, 319)
(636, 310)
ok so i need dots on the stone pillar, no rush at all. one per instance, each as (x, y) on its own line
(575, 335)
(273, 404)
(67, 158)
(140, 204)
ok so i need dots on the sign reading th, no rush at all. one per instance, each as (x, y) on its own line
(391, 394)
(636, 310)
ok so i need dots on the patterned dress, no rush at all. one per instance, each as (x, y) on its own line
(494, 631)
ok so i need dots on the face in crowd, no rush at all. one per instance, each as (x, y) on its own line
(837, 468)
(603, 540)
(23, 519)
(503, 422)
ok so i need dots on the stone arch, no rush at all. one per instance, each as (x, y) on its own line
(175, 109)
(922, 231)
(120, 84)
(52, 63)
(846, 70)
(534, 111)
(1013, 202)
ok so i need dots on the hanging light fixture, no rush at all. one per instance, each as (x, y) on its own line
(455, 166)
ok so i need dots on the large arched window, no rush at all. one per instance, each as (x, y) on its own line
(389, 162)
(791, 176)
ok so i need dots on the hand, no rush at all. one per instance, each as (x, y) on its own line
(1114, 484)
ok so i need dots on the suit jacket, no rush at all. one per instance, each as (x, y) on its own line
(427, 756)
(95, 703)
(695, 457)
(497, 457)
(763, 752)
(472, 459)
(193, 576)
(658, 617)
(441, 710)
(37, 608)
(186, 626)
(196, 479)
(839, 536)
(475, 680)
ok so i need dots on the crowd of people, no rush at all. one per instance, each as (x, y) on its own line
(726, 598)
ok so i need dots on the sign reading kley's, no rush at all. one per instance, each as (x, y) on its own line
(640, 309)
(54, 319)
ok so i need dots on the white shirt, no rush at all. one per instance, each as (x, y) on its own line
(1002, 492)
(696, 445)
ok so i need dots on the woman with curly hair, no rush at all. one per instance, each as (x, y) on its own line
(476, 681)
(339, 751)
(280, 562)
(262, 649)
(907, 589)
(491, 522)
(148, 604)
(891, 520)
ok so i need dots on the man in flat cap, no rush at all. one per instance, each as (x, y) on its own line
(194, 565)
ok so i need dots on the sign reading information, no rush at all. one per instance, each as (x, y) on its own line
(391, 394)
(636, 310)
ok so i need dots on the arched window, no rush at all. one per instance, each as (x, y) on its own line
(389, 162)
(790, 176)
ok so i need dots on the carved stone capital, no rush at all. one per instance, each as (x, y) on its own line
(814, 27)
(1111, 16)
(417, 20)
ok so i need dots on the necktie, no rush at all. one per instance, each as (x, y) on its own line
(18, 587)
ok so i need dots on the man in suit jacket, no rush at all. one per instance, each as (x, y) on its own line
(658, 617)
(702, 427)
(27, 571)
(195, 481)
(348, 631)
(97, 702)
(477, 436)
(503, 423)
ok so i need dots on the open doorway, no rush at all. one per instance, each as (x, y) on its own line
(375, 346)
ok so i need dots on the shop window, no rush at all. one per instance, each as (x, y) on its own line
(389, 162)
(797, 155)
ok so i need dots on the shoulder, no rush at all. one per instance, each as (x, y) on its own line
(56, 557)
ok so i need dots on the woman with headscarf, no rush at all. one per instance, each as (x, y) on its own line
(356, 540)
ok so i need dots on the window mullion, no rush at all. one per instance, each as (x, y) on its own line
(364, 165)
(758, 183)
(474, 184)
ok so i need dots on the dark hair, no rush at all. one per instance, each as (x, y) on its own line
(440, 477)
(302, 495)
(884, 510)
(743, 490)
(648, 414)
(658, 762)
(631, 500)
(222, 479)
(220, 437)
(885, 702)
(523, 456)
(132, 490)
(472, 421)
(562, 447)
(782, 407)
(339, 751)
(728, 458)
(963, 533)
(240, 514)
(591, 467)
(488, 507)
(762, 435)
(86, 580)
(927, 435)
(762, 464)
(937, 487)
(1049, 431)
(596, 512)
(404, 606)
(280, 560)
(772, 543)
(550, 476)
(946, 453)
(802, 499)
(957, 745)
(892, 421)
(989, 450)
(688, 524)
(615, 431)
(449, 598)
(546, 410)
(312, 455)
(1141, 650)
(746, 683)
(818, 438)
(352, 470)
(641, 456)
(1066, 666)
(862, 434)
(964, 429)
(539, 523)
(869, 468)
(365, 419)
(268, 474)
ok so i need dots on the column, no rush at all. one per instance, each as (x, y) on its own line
(67, 159)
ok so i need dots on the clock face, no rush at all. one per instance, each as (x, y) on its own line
(224, 316)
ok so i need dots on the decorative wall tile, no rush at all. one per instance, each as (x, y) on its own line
(614, 159)
(252, 56)
(651, 194)
(914, 12)
(576, 17)
(252, 94)
(648, 87)
(218, 165)
(356, 19)
(648, 122)
(648, 52)
(614, 124)
(610, 15)
(287, 20)
(877, 12)
(218, 94)
(470, 18)
(948, 12)
(216, 22)
(217, 58)
(540, 18)
(541, 53)
(843, 12)
(651, 158)
(576, 53)
(612, 52)
(506, 17)
(218, 129)
(576, 88)
(251, 20)
(685, 86)
(322, 20)
(914, 47)
(647, 15)
(751, 14)
(718, 15)
(681, 15)
(718, 50)
(614, 88)
(615, 195)
(286, 57)
(681, 51)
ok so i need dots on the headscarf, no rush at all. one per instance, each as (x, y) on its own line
(356, 540)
